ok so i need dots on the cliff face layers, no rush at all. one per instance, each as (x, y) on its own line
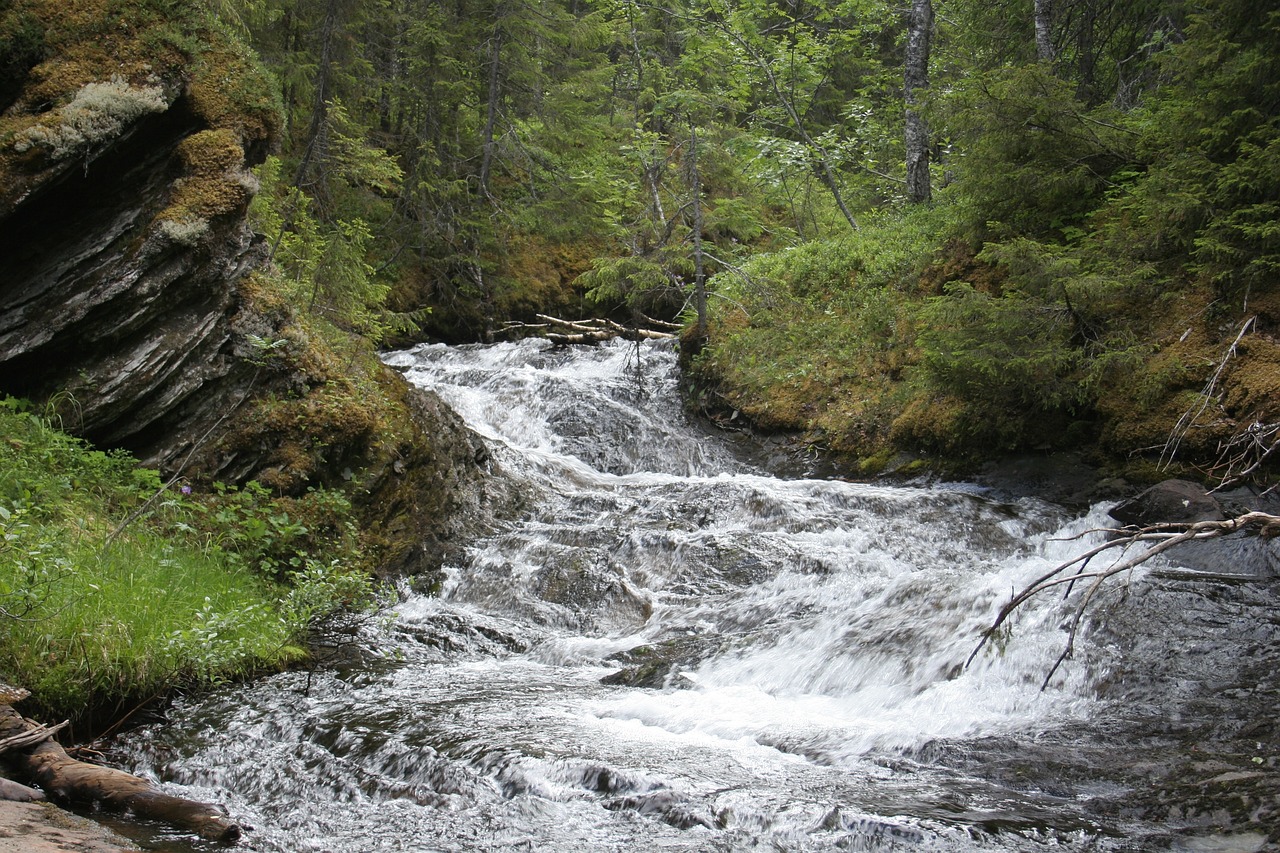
(126, 139)
(106, 303)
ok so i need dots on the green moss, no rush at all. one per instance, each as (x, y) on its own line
(160, 50)
(230, 90)
(1254, 391)
(876, 462)
(214, 183)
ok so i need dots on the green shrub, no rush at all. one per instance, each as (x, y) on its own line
(1032, 158)
(1010, 351)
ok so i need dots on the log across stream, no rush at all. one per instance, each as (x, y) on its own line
(670, 648)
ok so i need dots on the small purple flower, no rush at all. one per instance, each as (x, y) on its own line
(186, 490)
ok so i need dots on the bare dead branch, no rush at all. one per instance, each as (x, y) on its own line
(1156, 539)
(33, 736)
(1184, 424)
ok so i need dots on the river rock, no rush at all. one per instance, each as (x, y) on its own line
(655, 665)
(1169, 502)
(43, 828)
(120, 254)
(1182, 502)
(1063, 478)
(16, 792)
(1244, 554)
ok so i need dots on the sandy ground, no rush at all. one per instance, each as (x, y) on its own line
(44, 828)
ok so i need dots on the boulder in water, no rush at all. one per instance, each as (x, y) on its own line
(1243, 554)
(1169, 502)
(654, 665)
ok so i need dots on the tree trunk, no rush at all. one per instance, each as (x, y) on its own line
(916, 78)
(320, 108)
(491, 111)
(1087, 56)
(63, 777)
(1044, 30)
(699, 265)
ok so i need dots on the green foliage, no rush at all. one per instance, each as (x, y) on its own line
(324, 267)
(1033, 159)
(636, 281)
(98, 607)
(822, 337)
(276, 536)
(1211, 149)
(493, 159)
(1012, 351)
(40, 468)
(22, 46)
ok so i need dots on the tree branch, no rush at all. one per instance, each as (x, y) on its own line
(1158, 538)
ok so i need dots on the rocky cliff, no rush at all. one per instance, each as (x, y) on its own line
(127, 298)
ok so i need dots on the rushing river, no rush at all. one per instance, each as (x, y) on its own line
(792, 657)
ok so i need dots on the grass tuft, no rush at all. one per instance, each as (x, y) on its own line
(97, 612)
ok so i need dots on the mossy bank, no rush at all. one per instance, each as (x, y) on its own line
(1089, 278)
(284, 465)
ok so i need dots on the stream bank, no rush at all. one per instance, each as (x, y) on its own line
(45, 828)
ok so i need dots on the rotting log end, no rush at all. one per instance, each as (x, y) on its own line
(65, 778)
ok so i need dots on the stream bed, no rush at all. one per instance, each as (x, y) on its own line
(670, 648)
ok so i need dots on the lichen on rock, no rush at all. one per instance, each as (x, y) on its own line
(95, 116)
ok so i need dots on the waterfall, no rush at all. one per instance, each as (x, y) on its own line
(670, 648)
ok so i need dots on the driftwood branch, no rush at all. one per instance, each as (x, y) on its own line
(63, 777)
(1256, 442)
(31, 736)
(591, 331)
(1151, 541)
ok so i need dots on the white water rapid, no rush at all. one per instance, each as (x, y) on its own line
(784, 658)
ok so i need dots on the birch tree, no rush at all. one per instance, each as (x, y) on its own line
(919, 34)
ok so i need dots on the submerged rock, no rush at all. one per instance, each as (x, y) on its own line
(658, 665)
(1182, 502)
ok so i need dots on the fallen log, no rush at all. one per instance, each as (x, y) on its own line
(638, 332)
(592, 331)
(573, 325)
(580, 337)
(599, 329)
(18, 793)
(63, 777)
